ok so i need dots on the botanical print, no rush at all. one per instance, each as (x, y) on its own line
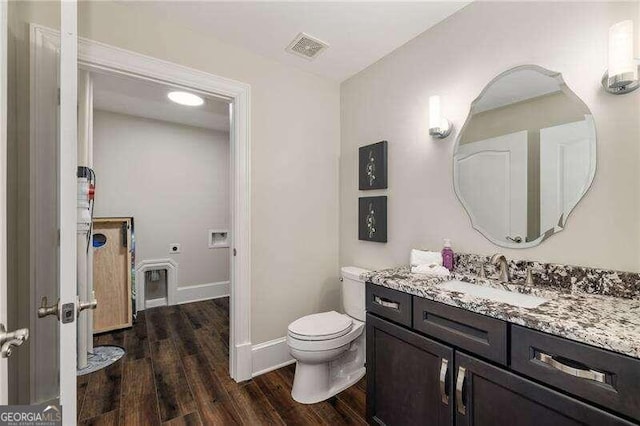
(371, 168)
(372, 219)
(372, 173)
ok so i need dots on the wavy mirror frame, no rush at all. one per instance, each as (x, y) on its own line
(592, 167)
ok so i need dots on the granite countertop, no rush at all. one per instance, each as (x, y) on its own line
(607, 322)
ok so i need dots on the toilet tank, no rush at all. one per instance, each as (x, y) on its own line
(353, 292)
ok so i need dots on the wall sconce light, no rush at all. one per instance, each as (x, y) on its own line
(622, 73)
(439, 127)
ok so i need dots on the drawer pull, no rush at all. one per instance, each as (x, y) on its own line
(459, 391)
(386, 303)
(577, 372)
(444, 367)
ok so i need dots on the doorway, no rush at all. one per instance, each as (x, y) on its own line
(99, 58)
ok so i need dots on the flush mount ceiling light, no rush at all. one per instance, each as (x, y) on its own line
(185, 98)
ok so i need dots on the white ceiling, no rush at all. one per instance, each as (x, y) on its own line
(358, 33)
(149, 100)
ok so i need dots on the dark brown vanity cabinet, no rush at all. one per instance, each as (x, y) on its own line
(447, 366)
(408, 377)
(489, 395)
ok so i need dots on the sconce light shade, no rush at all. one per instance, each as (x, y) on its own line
(622, 73)
(439, 127)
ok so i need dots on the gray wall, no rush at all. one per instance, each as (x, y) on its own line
(456, 59)
(174, 181)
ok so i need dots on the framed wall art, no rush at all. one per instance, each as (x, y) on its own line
(373, 166)
(372, 219)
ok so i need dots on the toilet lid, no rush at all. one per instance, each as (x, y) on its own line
(323, 326)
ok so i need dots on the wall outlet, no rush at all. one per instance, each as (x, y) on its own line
(174, 248)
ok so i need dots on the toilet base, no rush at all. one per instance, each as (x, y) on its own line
(312, 383)
(320, 376)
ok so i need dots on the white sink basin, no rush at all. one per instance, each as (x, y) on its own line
(498, 295)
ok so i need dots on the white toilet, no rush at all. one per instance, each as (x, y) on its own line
(329, 347)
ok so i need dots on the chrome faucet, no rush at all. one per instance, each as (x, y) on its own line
(500, 260)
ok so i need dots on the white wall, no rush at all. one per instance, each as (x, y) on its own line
(174, 181)
(456, 59)
(295, 136)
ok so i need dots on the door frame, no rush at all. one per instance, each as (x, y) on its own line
(4, 374)
(101, 57)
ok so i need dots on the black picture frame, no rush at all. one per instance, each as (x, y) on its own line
(372, 219)
(373, 166)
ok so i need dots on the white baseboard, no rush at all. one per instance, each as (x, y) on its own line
(270, 356)
(242, 369)
(194, 293)
(152, 303)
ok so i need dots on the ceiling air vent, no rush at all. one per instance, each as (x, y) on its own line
(306, 46)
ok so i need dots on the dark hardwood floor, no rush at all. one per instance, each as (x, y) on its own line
(175, 372)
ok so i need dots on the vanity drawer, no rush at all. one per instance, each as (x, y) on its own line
(479, 334)
(602, 377)
(388, 303)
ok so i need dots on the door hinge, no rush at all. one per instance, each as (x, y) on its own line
(58, 96)
(235, 252)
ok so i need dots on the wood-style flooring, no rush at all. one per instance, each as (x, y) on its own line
(175, 372)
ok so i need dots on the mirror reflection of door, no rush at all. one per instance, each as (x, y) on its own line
(492, 180)
(564, 150)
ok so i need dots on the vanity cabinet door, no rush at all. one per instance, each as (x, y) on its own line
(409, 377)
(486, 395)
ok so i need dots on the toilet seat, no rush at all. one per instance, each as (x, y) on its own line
(320, 327)
(326, 345)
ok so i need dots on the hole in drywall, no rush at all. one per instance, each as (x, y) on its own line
(99, 240)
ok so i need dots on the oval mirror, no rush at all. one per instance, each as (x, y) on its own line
(525, 157)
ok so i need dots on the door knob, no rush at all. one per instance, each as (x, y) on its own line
(9, 340)
(45, 310)
(92, 304)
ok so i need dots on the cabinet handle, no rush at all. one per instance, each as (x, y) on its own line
(459, 396)
(386, 303)
(585, 373)
(444, 367)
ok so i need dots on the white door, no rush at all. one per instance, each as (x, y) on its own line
(566, 169)
(9, 340)
(3, 192)
(53, 194)
(492, 184)
(67, 190)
